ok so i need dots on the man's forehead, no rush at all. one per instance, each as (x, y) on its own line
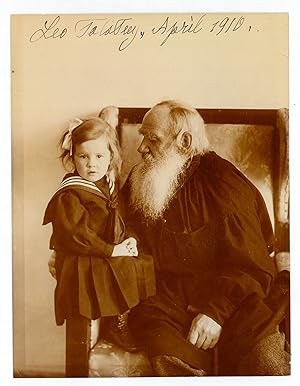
(157, 119)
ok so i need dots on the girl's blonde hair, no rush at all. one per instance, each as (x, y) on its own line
(90, 129)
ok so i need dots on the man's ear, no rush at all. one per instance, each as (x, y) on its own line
(184, 141)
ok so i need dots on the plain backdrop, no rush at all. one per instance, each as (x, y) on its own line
(57, 80)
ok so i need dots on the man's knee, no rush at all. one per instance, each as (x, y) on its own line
(268, 357)
(171, 366)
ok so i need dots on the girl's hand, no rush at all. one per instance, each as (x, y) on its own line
(127, 248)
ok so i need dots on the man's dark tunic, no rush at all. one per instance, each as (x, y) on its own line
(211, 251)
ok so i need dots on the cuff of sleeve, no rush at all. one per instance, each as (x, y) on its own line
(219, 309)
(105, 252)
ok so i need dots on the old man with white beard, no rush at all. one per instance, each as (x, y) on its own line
(208, 229)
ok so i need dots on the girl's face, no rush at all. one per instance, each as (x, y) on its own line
(92, 159)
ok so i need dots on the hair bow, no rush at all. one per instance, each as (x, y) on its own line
(67, 142)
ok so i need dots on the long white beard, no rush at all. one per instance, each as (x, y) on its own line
(154, 182)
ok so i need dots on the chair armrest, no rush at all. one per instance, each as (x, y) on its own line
(94, 332)
(282, 260)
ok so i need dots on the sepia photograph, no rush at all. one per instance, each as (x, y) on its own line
(150, 195)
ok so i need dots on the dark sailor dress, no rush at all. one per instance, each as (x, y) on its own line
(86, 226)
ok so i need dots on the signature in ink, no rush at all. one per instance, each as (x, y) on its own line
(104, 27)
(49, 30)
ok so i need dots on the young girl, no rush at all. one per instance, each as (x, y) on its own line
(98, 270)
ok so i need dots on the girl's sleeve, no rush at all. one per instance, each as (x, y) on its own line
(73, 229)
(129, 215)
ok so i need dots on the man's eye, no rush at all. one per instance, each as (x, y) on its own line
(99, 156)
(83, 156)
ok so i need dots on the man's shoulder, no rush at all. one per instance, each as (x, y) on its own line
(213, 164)
(221, 174)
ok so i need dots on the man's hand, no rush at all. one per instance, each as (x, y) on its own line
(204, 332)
(51, 264)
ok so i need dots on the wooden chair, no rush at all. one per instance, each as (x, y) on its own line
(256, 141)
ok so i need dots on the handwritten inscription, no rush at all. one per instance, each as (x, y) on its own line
(104, 27)
(128, 31)
(49, 30)
(168, 29)
(228, 24)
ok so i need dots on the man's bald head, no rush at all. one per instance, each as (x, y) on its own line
(184, 122)
(173, 132)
